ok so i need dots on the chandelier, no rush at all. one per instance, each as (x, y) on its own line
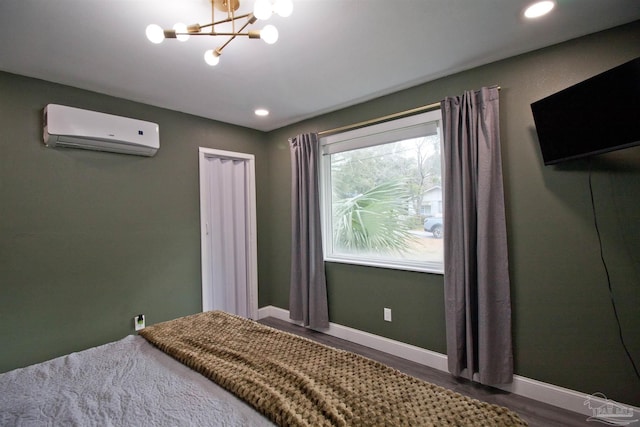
(262, 10)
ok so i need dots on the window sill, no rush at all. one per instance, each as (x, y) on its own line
(432, 269)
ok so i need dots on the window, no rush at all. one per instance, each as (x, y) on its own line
(382, 194)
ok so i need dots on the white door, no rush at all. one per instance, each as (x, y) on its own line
(228, 232)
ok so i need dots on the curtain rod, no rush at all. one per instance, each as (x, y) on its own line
(382, 119)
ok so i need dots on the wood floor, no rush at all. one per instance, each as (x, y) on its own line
(537, 414)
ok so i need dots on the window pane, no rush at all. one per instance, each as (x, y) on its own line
(378, 200)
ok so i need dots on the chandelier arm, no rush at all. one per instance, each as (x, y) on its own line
(246, 15)
(212, 34)
(230, 13)
(246, 24)
(219, 50)
(251, 20)
(222, 21)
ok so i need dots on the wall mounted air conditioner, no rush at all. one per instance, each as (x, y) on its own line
(76, 128)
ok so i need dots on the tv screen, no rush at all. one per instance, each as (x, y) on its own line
(595, 116)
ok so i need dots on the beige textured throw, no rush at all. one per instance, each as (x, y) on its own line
(298, 382)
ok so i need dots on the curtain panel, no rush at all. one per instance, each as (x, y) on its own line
(308, 288)
(477, 289)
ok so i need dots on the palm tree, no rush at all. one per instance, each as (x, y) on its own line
(374, 220)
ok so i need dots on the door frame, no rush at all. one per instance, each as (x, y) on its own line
(205, 208)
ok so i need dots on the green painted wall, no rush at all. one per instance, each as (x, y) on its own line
(89, 239)
(563, 324)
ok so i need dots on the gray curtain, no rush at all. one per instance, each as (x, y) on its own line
(476, 278)
(308, 291)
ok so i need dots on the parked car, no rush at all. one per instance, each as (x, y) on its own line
(433, 225)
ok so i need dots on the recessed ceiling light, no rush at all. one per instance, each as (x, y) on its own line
(261, 112)
(539, 8)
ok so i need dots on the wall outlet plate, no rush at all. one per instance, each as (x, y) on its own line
(138, 322)
(387, 314)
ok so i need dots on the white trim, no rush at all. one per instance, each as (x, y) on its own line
(422, 267)
(397, 348)
(382, 133)
(533, 389)
(396, 130)
(205, 206)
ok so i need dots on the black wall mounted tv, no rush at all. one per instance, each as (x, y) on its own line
(595, 116)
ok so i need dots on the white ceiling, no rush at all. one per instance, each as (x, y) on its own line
(331, 53)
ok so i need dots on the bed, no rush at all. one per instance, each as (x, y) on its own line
(218, 369)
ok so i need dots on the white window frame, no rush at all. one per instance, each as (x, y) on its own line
(399, 129)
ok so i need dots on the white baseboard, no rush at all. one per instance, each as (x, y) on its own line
(537, 390)
(397, 348)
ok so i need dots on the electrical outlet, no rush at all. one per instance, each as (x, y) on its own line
(387, 314)
(138, 322)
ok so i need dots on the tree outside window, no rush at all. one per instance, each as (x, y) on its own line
(377, 193)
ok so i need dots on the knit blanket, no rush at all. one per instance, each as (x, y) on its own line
(294, 381)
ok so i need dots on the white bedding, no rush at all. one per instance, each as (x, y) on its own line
(125, 383)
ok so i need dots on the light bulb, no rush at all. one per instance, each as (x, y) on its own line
(261, 112)
(181, 28)
(155, 33)
(262, 9)
(539, 9)
(211, 57)
(283, 8)
(269, 34)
